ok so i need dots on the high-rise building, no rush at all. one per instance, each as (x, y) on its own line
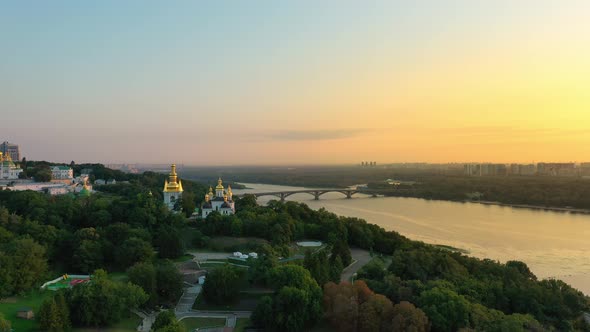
(485, 169)
(10, 149)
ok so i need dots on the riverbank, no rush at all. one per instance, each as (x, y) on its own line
(534, 207)
(551, 244)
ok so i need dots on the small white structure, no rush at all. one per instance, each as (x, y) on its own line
(237, 254)
(81, 179)
(57, 190)
(253, 255)
(100, 182)
(62, 173)
(309, 244)
(244, 257)
(202, 280)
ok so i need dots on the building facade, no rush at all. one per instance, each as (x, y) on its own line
(10, 149)
(62, 173)
(172, 189)
(221, 201)
(8, 169)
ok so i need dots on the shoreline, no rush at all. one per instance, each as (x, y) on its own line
(512, 205)
(534, 207)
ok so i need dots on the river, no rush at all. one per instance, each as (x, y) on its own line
(552, 244)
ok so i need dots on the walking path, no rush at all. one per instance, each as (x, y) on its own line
(185, 304)
(148, 320)
(184, 309)
(360, 258)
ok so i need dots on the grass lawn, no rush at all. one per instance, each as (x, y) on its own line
(242, 324)
(228, 243)
(193, 323)
(10, 306)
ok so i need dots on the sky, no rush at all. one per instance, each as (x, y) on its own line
(296, 82)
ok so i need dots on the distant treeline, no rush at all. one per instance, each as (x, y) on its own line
(538, 191)
(429, 184)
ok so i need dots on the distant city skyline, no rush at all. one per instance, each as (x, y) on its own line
(302, 82)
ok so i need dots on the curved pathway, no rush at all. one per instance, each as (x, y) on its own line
(360, 258)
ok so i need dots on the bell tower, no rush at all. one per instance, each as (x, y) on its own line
(172, 188)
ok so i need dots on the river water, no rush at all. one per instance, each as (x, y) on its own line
(552, 244)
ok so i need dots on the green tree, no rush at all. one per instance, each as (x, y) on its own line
(49, 316)
(169, 281)
(298, 299)
(102, 301)
(4, 324)
(164, 319)
(88, 256)
(447, 310)
(188, 203)
(43, 175)
(258, 273)
(340, 249)
(290, 309)
(133, 250)
(144, 275)
(29, 265)
(63, 310)
(222, 285)
(263, 314)
(169, 242)
(6, 275)
(335, 270)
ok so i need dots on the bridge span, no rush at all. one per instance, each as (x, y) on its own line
(316, 193)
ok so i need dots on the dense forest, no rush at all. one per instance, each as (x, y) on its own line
(126, 228)
(453, 290)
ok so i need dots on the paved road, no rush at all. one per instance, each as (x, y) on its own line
(185, 304)
(147, 322)
(360, 258)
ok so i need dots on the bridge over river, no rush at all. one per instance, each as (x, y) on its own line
(316, 193)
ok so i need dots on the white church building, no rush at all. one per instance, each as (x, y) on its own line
(221, 201)
(8, 169)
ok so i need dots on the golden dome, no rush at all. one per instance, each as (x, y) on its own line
(219, 184)
(173, 184)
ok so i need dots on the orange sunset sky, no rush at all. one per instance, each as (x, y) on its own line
(267, 82)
